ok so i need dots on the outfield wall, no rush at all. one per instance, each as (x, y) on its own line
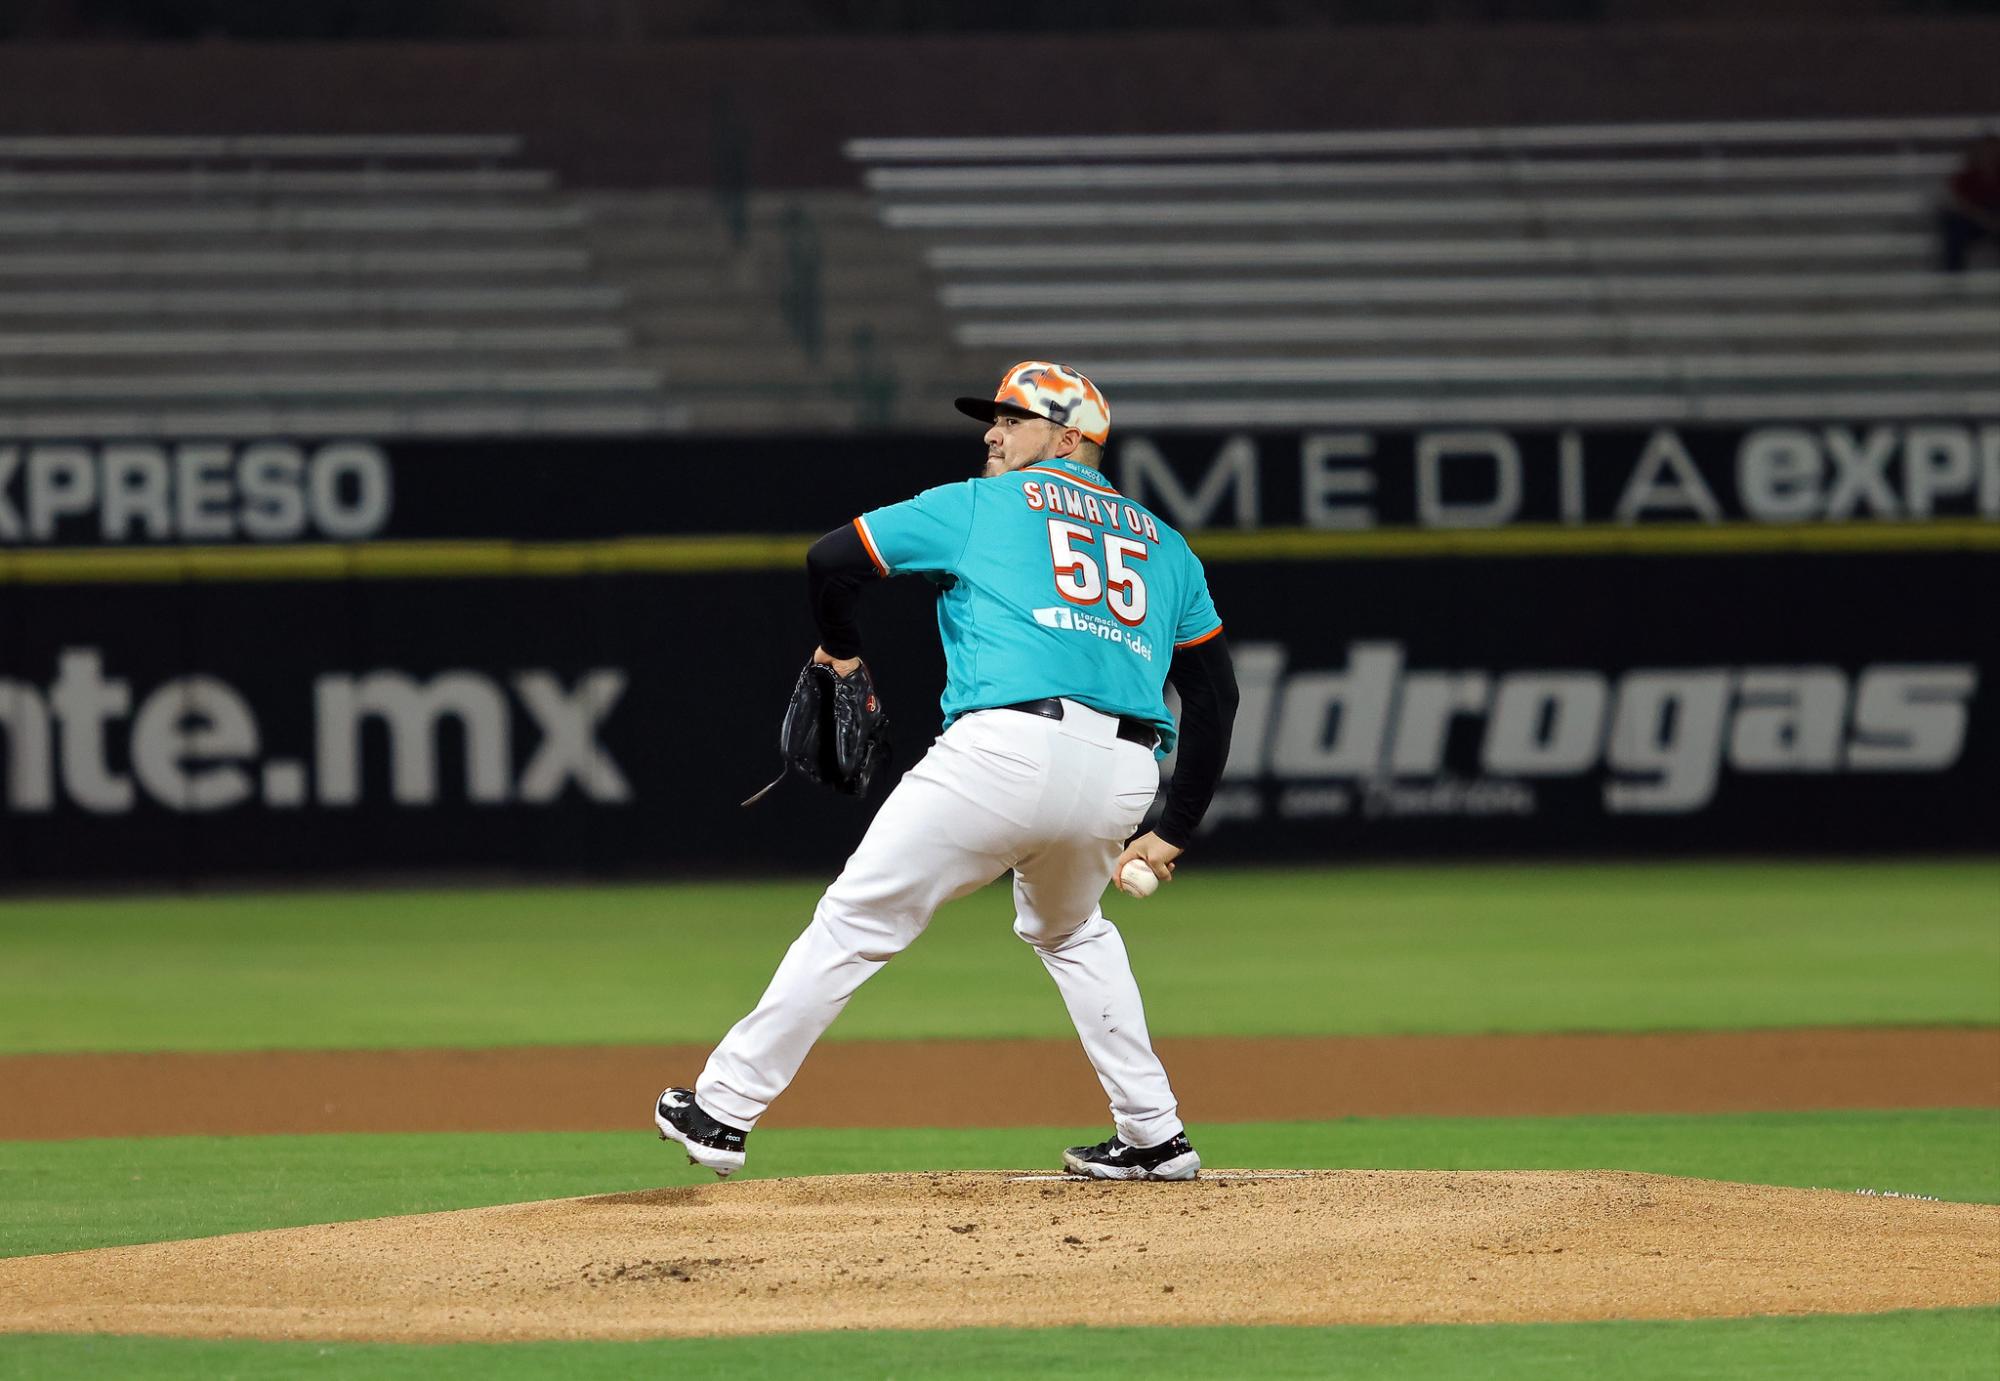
(570, 657)
(1351, 480)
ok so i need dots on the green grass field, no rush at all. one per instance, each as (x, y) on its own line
(1455, 949)
(1222, 952)
(1955, 1345)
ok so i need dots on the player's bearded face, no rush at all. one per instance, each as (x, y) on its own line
(1012, 442)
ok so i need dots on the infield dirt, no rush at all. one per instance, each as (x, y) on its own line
(1004, 1083)
(956, 1250)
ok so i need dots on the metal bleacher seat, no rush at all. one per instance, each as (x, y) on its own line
(389, 302)
(164, 285)
(288, 266)
(204, 148)
(1650, 272)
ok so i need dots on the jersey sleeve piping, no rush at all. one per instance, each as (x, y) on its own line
(868, 541)
(1197, 642)
(971, 508)
(1076, 480)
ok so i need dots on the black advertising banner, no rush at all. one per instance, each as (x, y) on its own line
(1486, 477)
(1615, 704)
(603, 724)
(91, 493)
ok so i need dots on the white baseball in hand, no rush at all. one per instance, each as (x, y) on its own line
(1135, 877)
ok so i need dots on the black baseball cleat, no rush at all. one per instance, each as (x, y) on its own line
(1172, 1159)
(706, 1141)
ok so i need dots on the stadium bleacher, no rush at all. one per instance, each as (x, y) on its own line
(1640, 273)
(405, 284)
(391, 284)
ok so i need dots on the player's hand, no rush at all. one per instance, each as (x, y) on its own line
(1154, 851)
(842, 666)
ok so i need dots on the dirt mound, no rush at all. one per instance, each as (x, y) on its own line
(954, 1250)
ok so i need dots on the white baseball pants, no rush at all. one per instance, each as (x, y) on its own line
(1054, 800)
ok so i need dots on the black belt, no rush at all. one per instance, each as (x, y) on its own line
(1131, 730)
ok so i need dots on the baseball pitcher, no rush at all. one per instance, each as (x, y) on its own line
(1064, 608)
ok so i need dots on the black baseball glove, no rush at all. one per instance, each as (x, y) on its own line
(834, 731)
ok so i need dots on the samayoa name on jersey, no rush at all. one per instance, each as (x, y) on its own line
(1058, 586)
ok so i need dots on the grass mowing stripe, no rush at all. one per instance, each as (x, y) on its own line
(403, 559)
(1327, 951)
(68, 1195)
(1938, 1345)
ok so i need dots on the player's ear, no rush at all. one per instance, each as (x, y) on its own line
(1067, 443)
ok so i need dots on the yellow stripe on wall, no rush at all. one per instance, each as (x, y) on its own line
(391, 560)
(1677, 539)
(421, 560)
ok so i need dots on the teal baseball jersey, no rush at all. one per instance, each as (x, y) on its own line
(1051, 584)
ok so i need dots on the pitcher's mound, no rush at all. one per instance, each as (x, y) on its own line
(954, 1250)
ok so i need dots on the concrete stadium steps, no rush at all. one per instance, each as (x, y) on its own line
(865, 278)
(670, 208)
(828, 410)
(716, 329)
(707, 367)
(910, 293)
(672, 223)
(720, 316)
(1595, 288)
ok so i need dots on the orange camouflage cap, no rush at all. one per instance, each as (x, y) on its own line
(1037, 388)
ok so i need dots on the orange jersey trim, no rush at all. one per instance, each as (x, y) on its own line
(1197, 642)
(1068, 478)
(868, 541)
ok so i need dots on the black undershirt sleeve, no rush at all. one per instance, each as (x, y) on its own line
(835, 567)
(1206, 680)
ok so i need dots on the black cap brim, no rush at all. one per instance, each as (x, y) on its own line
(985, 409)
